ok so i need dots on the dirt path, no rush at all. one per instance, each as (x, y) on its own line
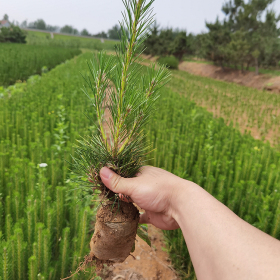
(146, 263)
(248, 79)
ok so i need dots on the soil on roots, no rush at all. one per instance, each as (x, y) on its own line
(147, 263)
(114, 236)
(115, 231)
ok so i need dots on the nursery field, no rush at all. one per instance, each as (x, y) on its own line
(44, 223)
(19, 61)
(246, 108)
(61, 40)
(237, 169)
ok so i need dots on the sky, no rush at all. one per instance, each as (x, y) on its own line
(100, 15)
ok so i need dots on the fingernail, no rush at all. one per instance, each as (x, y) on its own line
(106, 173)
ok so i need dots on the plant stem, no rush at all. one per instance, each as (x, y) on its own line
(98, 110)
(136, 123)
(124, 72)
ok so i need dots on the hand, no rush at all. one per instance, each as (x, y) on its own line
(154, 190)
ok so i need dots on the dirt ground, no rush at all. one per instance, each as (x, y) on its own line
(147, 263)
(247, 78)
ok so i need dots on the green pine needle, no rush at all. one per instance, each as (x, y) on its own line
(129, 92)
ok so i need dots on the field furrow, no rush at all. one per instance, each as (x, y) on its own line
(252, 111)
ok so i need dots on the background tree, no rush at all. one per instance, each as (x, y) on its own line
(166, 37)
(238, 50)
(84, 32)
(24, 24)
(166, 42)
(179, 47)
(69, 29)
(217, 39)
(114, 32)
(248, 35)
(102, 34)
(38, 24)
(12, 34)
(152, 43)
(5, 17)
(52, 28)
(197, 44)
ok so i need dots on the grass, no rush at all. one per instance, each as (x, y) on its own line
(43, 38)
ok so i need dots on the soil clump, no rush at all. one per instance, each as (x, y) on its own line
(147, 263)
(120, 220)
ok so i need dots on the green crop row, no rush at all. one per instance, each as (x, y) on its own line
(18, 61)
(68, 41)
(241, 172)
(45, 222)
(247, 108)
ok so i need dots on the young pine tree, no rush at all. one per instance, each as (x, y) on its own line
(129, 93)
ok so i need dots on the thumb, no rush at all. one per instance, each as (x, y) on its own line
(114, 182)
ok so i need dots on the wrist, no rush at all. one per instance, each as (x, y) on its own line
(181, 197)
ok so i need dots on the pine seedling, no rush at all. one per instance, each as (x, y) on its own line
(116, 83)
(64, 251)
(123, 95)
(32, 268)
(46, 250)
(39, 230)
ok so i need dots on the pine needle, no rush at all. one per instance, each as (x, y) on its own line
(130, 102)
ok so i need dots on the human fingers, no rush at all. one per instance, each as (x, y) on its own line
(125, 198)
(116, 183)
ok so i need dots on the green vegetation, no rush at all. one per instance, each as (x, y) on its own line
(244, 38)
(45, 219)
(69, 29)
(170, 61)
(44, 222)
(238, 170)
(60, 40)
(18, 62)
(166, 42)
(113, 33)
(247, 108)
(123, 98)
(247, 37)
(12, 34)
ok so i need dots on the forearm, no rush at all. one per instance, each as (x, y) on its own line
(221, 245)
